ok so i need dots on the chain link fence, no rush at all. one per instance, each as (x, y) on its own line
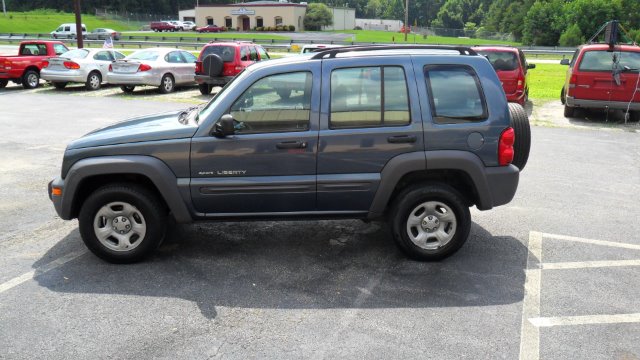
(138, 20)
(479, 33)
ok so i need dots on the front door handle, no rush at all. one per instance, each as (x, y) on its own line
(401, 139)
(291, 145)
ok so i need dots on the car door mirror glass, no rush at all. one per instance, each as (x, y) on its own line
(532, 66)
(564, 62)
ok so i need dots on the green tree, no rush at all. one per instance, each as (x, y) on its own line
(590, 15)
(317, 16)
(572, 36)
(544, 23)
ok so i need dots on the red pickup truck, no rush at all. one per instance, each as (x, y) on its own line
(24, 68)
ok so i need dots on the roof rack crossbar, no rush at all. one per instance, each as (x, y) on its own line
(463, 50)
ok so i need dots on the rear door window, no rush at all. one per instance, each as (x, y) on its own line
(189, 57)
(455, 94)
(174, 57)
(227, 53)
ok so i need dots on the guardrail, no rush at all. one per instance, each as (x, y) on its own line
(188, 42)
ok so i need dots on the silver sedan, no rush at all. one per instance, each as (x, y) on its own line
(162, 67)
(88, 66)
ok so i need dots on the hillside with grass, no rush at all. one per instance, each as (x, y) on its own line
(45, 21)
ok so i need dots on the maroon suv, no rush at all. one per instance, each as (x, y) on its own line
(220, 62)
(512, 69)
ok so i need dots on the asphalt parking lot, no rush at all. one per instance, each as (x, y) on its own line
(552, 275)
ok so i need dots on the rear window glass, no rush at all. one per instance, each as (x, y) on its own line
(455, 94)
(76, 54)
(501, 60)
(33, 49)
(227, 53)
(149, 55)
(603, 60)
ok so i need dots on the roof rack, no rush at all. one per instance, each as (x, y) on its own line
(463, 50)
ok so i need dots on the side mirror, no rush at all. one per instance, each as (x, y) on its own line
(564, 62)
(225, 126)
(531, 66)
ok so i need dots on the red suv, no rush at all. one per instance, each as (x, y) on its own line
(512, 69)
(220, 62)
(603, 77)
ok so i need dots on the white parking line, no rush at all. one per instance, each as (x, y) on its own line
(530, 334)
(39, 271)
(591, 241)
(585, 320)
(588, 264)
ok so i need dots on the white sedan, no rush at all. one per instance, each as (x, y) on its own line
(162, 67)
(88, 66)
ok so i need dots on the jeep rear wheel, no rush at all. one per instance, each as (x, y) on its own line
(122, 223)
(520, 125)
(205, 89)
(430, 222)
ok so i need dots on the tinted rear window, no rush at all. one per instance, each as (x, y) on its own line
(150, 55)
(227, 53)
(501, 60)
(603, 60)
(76, 54)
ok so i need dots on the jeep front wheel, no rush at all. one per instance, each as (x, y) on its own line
(430, 222)
(122, 223)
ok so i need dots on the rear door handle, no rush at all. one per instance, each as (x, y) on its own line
(402, 139)
(291, 145)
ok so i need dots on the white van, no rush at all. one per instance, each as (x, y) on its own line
(68, 31)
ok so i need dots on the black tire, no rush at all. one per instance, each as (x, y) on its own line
(59, 84)
(30, 79)
(167, 84)
(94, 81)
(127, 88)
(205, 89)
(522, 129)
(562, 99)
(634, 116)
(150, 212)
(411, 199)
(284, 93)
(3, 83)
(212, 65)
(569, 111)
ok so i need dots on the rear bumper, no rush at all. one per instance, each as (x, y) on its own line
(63, 76)
(600, 104)
(133, 79)
(204, 79)
(502, 184)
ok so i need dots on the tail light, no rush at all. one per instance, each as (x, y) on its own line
(572, 84)
(110, 67)
(144, 67)
(198, 67)
(7, 65)
(45, 64)
(71, 65)
(520, 86)
(505, 147)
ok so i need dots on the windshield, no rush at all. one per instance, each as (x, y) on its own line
(501, 60)
(227, 53)
(150, 55)
(206, 111)
(75, 54)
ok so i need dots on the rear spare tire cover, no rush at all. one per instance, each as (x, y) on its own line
(520, 125)
(212, 65)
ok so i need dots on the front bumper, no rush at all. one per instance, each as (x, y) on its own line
(601, 104)
(57, 199)
(205, 79)
(139, 78)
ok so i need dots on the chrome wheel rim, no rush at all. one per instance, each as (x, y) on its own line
(167, 83)
(94, 81)
(431, 225)
(32, 80)
(119, 226)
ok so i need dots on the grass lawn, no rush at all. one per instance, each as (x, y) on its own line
(546, 81)
(45, 21)
(389, 37)
(212, 36)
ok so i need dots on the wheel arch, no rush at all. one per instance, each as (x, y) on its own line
(87, 175)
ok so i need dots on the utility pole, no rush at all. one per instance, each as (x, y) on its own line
(4, 9)
(406, 19)
(79, 34)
